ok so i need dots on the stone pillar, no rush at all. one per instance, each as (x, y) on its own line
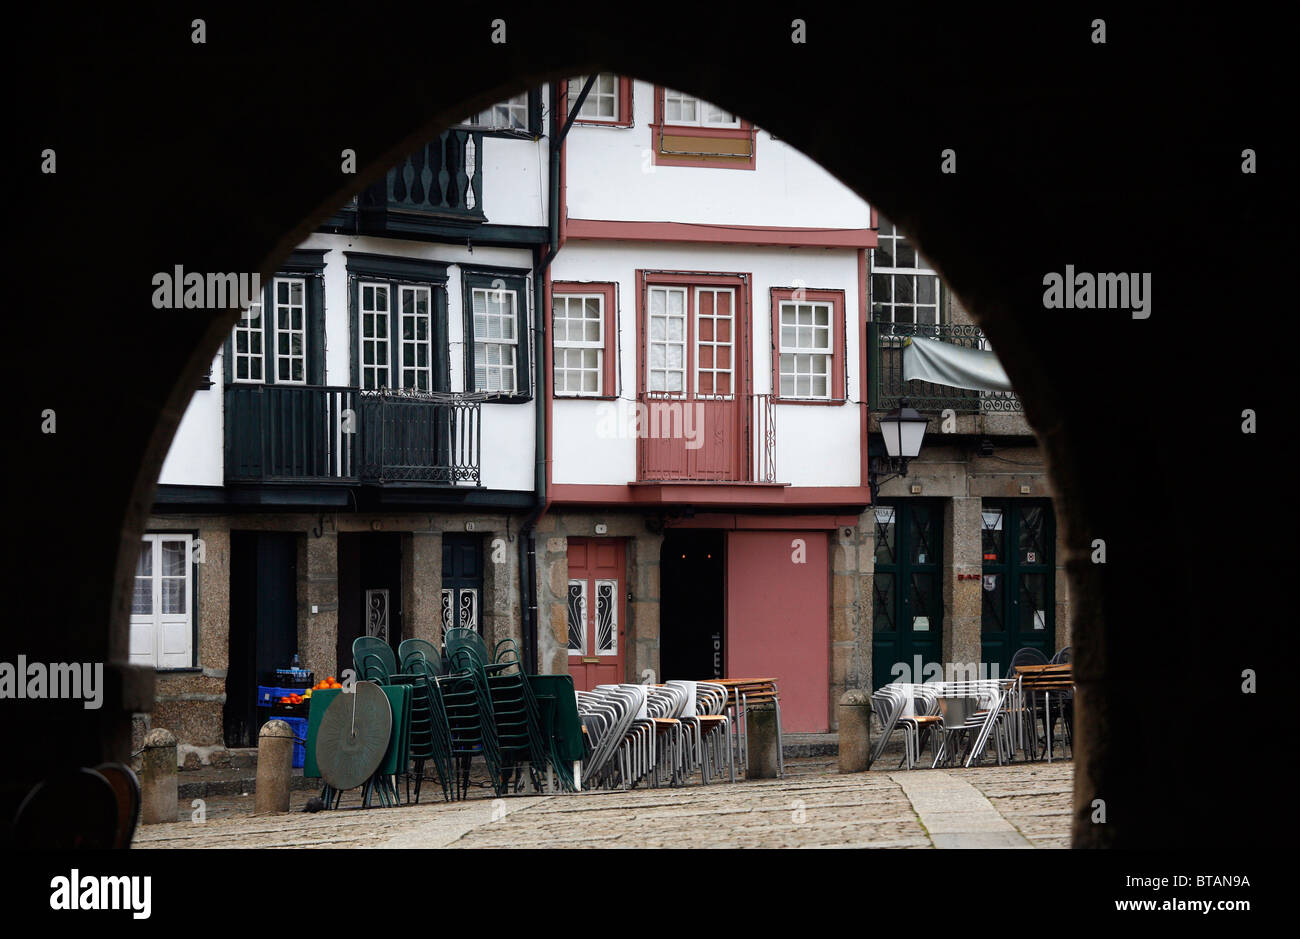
(1062, 637)
(320, 578)
(274, 768)
(502, 615)
(158, 770)
(854, 727)
(764, 760)
(962, 603)
(850, 556)
(643, 614)
(552, 586)
(422, 585)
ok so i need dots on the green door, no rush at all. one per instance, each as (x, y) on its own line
(907, 605)
(1018, 541)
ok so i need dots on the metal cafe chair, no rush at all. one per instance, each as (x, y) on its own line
(887, 704)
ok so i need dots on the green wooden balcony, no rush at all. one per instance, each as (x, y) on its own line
(436, 190)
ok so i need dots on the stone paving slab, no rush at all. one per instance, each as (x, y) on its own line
(813, 806)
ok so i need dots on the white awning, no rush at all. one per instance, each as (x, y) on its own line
(956, 366)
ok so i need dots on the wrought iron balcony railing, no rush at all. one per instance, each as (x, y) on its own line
(438, 185)
(319, 434)
(886, 386)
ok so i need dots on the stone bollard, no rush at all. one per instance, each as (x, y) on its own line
(855, 730)
(158, 770)
(760, 721)
(274, 768)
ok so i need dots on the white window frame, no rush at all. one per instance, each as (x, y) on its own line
(250, 326)
(920, 271)
(505, 348)
(158, 622)
(367, 316)
(814, 352)
(416, 371)
(595, 97)
(504, 115)
(581, 345)
(666, 341)
(714, 343)
(301, 331)
(702, 108)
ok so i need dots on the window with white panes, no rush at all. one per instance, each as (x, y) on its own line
(375, 339)
(511, 114)
(666, 340)
(602, 101)
(495, 339)
(248, 353)
(415, 311)
(904, 288)
(806, 349)
(289, 308)
(682, 108)
(162, 604)
(578, 322)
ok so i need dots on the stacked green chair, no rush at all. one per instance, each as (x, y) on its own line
(515, 715)
(467, 704)
(373, 659)
(421, 664)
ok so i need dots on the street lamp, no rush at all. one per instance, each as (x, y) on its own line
(903, 430)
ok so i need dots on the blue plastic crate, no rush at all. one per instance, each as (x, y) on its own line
(269, 695)
(299, 726)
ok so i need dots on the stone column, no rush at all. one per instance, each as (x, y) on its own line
(552, 587)
(1062, 637)
(422, 585)
(643, 614)
(961, 594)
(321, 581)
(502, 615)
(854, 728)
(851, 549)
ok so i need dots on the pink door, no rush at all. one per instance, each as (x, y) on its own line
(595, 612)
(778, 619)
(694, 420)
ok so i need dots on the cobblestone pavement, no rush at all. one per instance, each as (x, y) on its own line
(813, 806)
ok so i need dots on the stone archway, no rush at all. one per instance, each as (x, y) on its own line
(221, 157)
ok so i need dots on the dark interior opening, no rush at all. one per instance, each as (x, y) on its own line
(263, 624)
(370, 590)
(692, 619)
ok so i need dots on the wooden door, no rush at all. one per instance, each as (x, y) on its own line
(597, 614)
(907, 602)
(1018, 540)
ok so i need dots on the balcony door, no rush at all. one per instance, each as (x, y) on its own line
(694, 344)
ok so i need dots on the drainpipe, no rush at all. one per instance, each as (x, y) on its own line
(530, 625)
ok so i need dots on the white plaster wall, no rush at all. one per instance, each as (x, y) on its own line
(197, 454)
(817, 445)
(611, 176)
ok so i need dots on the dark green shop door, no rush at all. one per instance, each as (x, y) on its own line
(907, 606)
(462, 581)
(1018, 541)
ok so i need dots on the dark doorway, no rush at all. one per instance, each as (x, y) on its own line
(462, 582)
(692, 617)
(907, 601)
(1018, 541)
(370, 590)
(263, 623)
